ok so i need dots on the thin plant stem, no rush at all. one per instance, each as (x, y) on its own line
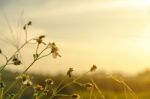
(34, 61)
(11, 85)
(37, 97)
(2, 92)
(78, 83)
(25, 71)
(4, 56)
(68, 84)
(37, 49)
(60, 83)
(99, 91)
(125, 92)
(26, 34)
(44, 56)
(131, 91)
(8, 60)
(125, 85)
(20, 74)
(91, 92)
(29, 66)
(22, 90)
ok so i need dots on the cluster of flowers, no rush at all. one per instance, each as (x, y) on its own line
(40, 90)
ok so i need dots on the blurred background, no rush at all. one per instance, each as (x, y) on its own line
(113, 34)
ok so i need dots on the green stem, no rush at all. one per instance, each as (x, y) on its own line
(125, 92)
(20, 91)
(60, 83)
(99, 91)
(1, 94)
(11, 85)
(91, 93)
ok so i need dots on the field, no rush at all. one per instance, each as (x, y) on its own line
(109, 88)
(75, 49)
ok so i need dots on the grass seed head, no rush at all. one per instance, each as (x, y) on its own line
(69, 72)
(29, 23)
(93, 68)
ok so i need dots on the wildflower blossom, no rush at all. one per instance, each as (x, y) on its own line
(75, 96)
(69, 72)
(46, 92)
(38, 88)
(54, 50)
(49, 81)
(93, 68)
(25, 79)
(28, 24)
(39, 40)
(16, 60)
(28, 82)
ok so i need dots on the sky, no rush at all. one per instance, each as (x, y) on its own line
(112, 34)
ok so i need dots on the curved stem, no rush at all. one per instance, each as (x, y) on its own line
(8, 60)
(26, 35)
(11, 85)
(25, 70)
(20, 92)
(37, 49)
(60, 84)
(68, 84)
(34, 61)
(124, 85)
(1, 94)
(44, 56)
(99, 91)
(29, 67)
(91, 93)
(4, 56)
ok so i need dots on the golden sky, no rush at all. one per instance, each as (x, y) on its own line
(113, 34)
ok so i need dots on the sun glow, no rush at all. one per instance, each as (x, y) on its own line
(140, 2)
(144, 41)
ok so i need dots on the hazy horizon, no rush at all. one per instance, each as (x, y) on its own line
(112, 34)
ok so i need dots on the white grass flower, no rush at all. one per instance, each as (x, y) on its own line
(54, 50)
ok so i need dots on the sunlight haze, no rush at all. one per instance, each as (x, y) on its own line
(112, 34)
